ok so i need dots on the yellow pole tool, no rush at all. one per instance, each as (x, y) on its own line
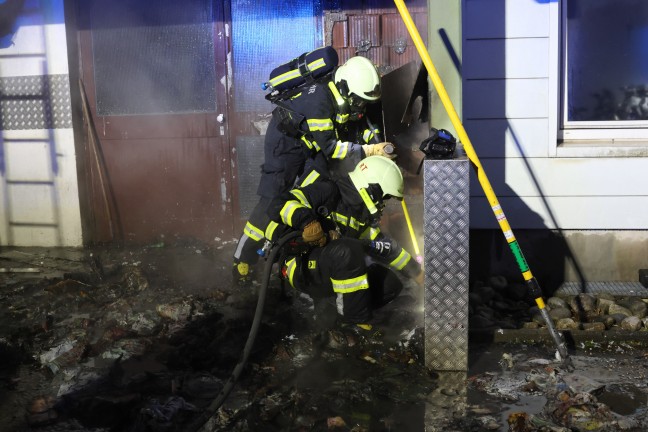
(389, 150)
(419, 258)
(532, 283)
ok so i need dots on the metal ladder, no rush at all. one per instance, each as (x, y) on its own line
(30, 200)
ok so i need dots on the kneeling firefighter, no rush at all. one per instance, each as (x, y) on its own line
(347, 258)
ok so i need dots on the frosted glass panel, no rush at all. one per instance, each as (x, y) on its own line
(153, 57)
(264, 34)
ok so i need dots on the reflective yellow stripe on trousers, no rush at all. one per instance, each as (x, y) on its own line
(345, 286)
(291, 265)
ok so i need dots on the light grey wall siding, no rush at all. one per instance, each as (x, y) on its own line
(510, 112)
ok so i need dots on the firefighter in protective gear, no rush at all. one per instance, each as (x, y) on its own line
(307, 131)
(359, 268)
(359, 84)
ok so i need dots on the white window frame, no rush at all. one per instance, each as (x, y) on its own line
(583, 138)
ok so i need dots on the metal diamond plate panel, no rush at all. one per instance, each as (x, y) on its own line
(35, 102)
(446, 228)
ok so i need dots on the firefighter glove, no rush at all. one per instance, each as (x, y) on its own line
(313, 234)
(385, 149)
(334, 234)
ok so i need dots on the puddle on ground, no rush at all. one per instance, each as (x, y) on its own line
(623, 399)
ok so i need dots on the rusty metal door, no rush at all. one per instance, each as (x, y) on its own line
(157, 154)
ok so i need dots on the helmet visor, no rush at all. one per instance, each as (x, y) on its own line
(374, 93)
(386, 197)
(356, 103)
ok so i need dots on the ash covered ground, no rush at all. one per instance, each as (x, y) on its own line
(145, 339)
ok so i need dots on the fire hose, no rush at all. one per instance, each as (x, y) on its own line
(530, 280)
(229, 385)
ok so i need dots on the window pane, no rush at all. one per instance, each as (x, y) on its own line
(153, 57)
(266, 33)
(607, 60)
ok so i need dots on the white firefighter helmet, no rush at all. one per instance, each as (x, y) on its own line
(361, 77)
(376, 171)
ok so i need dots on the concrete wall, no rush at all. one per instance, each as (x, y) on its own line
(39, 204)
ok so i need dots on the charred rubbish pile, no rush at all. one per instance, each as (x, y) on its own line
(144, 340)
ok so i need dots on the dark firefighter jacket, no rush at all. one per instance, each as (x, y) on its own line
(316, 115)
(346, 212)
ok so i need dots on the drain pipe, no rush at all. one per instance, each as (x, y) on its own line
(229, 385)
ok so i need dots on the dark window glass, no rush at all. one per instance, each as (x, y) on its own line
(153, 57)
(607, 60)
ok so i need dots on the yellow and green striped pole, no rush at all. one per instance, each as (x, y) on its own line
(532, 283)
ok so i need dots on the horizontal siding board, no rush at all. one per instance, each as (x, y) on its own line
(510, 98)
(506, 58)
(595, 177)
(22, 66)
(589, 213)
(509, 138)
(28, 161)
(505, 18)
(32, 204)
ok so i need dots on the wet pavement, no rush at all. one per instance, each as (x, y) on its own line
(145, 339)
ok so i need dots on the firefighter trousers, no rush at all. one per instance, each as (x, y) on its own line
(342, 271)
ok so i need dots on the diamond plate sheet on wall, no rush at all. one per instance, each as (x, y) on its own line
(35, 102)
(446, 228)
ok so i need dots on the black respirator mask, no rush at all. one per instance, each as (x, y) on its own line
(357, 107)
(376, 194)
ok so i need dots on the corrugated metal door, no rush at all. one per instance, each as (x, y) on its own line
(155, 78)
